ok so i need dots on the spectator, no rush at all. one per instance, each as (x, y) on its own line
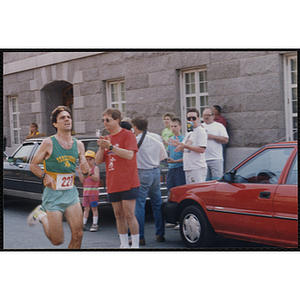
(217, 135)
(148, 159)
(193, 147)
(175, 175)
(118, 151)
(167, 132)
(90, 190)
(33, 130)
(220, 119)
(126, 123)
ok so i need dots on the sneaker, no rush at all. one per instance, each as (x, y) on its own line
(170, 225)
(177, 227)
(83, 227)
(94, 227)
(35, 216)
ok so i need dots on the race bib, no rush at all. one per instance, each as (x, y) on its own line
(64, 181)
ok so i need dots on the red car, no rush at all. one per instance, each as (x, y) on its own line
(255, 201)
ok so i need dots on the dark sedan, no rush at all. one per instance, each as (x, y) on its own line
(19, 181)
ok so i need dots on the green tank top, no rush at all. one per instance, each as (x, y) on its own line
(61, 161)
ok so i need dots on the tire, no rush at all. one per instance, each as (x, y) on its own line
(195, 229)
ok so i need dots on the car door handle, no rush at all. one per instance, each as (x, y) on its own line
(265, 195)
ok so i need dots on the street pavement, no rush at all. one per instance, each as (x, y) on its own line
(17, 235)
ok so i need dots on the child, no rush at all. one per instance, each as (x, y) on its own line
(167, 132)
(90, 191)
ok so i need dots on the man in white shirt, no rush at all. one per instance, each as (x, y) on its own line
(217, 135)
(148, 160)
(193, 147)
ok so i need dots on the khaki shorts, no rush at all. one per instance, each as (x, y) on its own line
(195, 176)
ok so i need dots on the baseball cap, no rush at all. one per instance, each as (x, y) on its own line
(90, 153)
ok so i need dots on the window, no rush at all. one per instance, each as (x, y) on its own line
(116, 96)
(22, 155)
(266, 167)
(293, 174)
(14, 120)
(291, 96)
(193, 91)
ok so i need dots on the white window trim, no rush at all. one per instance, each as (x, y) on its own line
(108, 93)
(11, 113)
(182, 93)
(288, 96)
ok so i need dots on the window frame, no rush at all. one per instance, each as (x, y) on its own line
(15, 139)
(120, 102)
(288, 86)
(197, 94)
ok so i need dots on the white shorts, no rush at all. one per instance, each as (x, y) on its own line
(195, 176)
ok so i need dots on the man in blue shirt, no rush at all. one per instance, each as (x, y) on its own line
(175, 174)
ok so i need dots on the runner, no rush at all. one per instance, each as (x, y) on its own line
(58, 154)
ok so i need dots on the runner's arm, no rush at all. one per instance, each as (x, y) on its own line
(84, 166)
(43, 152)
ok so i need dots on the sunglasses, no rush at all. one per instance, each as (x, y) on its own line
(107, 120)
(191, 118)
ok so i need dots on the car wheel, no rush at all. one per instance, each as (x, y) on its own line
(195, 229)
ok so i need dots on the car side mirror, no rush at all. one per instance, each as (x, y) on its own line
(229, 177)
(10, 159)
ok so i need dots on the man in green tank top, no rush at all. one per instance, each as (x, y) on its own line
(58, 154)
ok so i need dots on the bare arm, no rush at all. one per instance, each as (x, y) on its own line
(84, 166)
(96, 175)
(218, 139)
(105, 143)
(80, 174)
(197, 149)
(43, 152)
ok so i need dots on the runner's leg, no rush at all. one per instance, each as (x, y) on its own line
(53, 227)
(74, 218)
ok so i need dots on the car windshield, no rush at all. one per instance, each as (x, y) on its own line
(22, 155)
(265, 167)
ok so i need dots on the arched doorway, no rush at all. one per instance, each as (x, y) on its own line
(52, 95)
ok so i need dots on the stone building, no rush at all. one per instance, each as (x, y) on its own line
(257, 91)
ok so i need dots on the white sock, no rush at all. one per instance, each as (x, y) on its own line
(84, 221)
(135, 241)
(95, 220)
(124, 240)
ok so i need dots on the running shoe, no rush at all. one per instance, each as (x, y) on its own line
(35, 216)
(94, 227)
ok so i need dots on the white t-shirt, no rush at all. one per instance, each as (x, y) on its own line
(214, 149)
(148, 156)
(193, 160)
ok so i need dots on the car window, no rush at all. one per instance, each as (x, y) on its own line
(293, 174)
(91, 145)
(22, 155)
(265, 167)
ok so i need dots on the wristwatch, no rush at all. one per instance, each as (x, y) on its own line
(43, 176)
(110, 147)
(91, 174)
